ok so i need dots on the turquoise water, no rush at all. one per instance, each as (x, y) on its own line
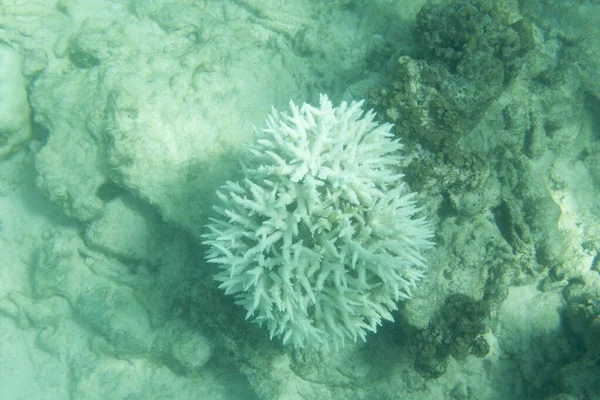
(120, 120)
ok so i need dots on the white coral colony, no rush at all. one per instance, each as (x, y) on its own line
(321, 238)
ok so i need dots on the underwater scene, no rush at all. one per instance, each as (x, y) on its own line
(299, 200)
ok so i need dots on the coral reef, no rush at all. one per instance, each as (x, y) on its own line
(455, 331)
(321, 238)
(138, 114)
(469, 52)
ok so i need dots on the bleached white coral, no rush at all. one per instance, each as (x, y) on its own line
(321, 238)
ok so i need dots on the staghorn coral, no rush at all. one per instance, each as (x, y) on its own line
(321, 238)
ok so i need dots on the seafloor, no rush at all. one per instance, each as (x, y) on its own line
(120, 118)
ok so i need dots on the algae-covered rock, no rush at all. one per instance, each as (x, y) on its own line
(469, 52)
(15, 126)
(70, 164)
